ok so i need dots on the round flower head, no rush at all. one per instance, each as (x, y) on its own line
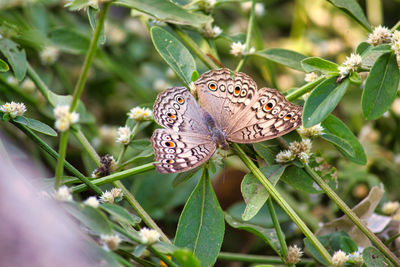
(64, 118)
(339, 258)
(380, 35)
(294, 254)
(237, 48)
(149, 236)
(13, 109)
(123, 135)
(310, 77)
(111, 242)
(140, 114)
(63, 194)
(107, 197)
(315, 130)
(92, 201)
(390, 207)
(49, 55)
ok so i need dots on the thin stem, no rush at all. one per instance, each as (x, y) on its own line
(390, 240)
(397, 25)
(279, 233)
(114, 177)
(41, 86)
(54, 154)
(304, 89)
(227, 256)
(61, 156)
(352, 216)
(87, 146)
(281, 202)
(140, 211)
(123, 150)
(89, 57)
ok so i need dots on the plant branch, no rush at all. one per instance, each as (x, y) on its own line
(61, 157)
(304, 89)
(278, 229)
(228, 256)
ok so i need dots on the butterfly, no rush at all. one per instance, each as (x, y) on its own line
(231, 109)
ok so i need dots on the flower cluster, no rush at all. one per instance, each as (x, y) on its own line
(352, 63)
(108, 165)
(140, 114)
(294, 254)
(149, 236)
(49, 55)
(315, 130)
(110, 242)
(64, 118)
(310, 77)
(390, 207)
(339, 258)
(239, 49)
(110, 196)
(380, 35)
(395, 42)
(13, 109)
(300, 150)
(92, 201)
(63, 194)
(356, 257)
(211, 32)
(123, 135)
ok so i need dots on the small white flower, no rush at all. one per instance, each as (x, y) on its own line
(395, 36)
(111, 242)
(237, 48)
(107, 197)
(123, 135)
(28, 85)
(304, 157)
(259, 9)
(395, 42)
(149, 236)
(294, 254)
(310, 77)
(284, 156)
(140, 114)
(252, 50)
(13, 109)
(298, 147)
(356, 257)
(353, 62)
(64, 118)
(12, 80)
(92, 201)
(116, 192)
(380, 35)
(343, 71)
(49, 55)
(339, 258)
(216, 31)
(390, 207)
(315, 130)
(63, 194)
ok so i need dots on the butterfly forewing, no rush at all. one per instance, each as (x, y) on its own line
(180, 151)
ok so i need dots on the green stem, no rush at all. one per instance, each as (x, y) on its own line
(140, 211)
(281, 202)
(248, 37)
(279, 233)
(61, 156)
(195, 48)
(397, 25)
(390, 240)
(41, 86)
(87, 146)
(89, 57)
(114, 177)
(227, 256)
(54, 154)
(123, 150)
(304, 89)
(352, 216)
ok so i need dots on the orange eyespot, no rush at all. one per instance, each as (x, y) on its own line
(170, 144)
(268, 106)
(237, 90)
(287, 117)
(170, 161)
(172, 116)
(212, 86)
(180, 99)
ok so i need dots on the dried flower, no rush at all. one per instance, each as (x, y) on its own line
(315, 130)
(111, 242)
(123, 135)
(116, 192)
(107, 197)
(339, 258)
(390, 207)
(140, 114)
(49, 55)
(92, 201)
(13, 109)
(380, 35)
(294, 254)
(149, 236)
(310, 77)
(107, 165)
(64, 118)
(63, 194)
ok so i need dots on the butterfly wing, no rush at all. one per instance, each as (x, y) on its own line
(223, 94)
(270, 115)
(176, 109)
(179, 152)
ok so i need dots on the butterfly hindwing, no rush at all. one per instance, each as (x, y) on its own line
(180, 151)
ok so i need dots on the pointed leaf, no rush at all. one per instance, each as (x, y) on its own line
(299, 179)
(174, 53)
(285, 57)
(254, 193)
(267, 150)
(344, 137)
(120, 214)
(36, 125)
(318, 64)
(381, 86)
(323, 100)
(3, 66)
(353, 9)
(15, 57)
(184, 176)
(201, 225)
(92, 12)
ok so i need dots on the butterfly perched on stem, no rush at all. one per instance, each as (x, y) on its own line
(231, 109)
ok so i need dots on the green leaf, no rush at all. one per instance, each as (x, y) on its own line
(371, 53)
(77, 4)
(174, 53)
(36, 125)
(254, 193)
(267, 150)
(92, 12)
(120, 214)
(336, 132)
(332, 242)
(184, 176)
(69, 40)
(91, 217)
(355, 78)
(323, 100)
(362, 48)
(380, 87)
(15, 57)
(201, 225)
(299, 179)
(374, 258)
(3, 66)
(267, 235)
(167, 11)
(185, 257)
(285, 57)
(318, 64)
(353, 9)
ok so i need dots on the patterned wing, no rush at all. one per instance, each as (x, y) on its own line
(179, 152)
(223, 94)
(176, 109)
(267, 117)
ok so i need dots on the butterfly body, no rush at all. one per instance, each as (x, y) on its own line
(232, 109)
